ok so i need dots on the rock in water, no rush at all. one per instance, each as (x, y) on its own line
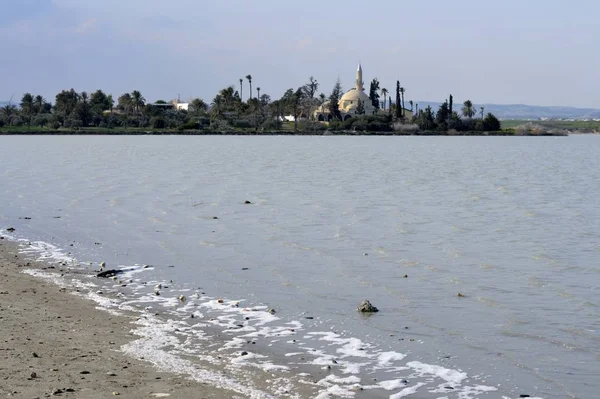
(366, 307)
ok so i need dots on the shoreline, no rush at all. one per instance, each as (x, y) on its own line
(54, 343)
(274, 133)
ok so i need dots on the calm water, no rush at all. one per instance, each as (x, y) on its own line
(511, 223)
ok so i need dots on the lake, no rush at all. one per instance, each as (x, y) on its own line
(512, 224)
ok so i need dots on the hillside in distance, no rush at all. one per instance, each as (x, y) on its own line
(528, 112)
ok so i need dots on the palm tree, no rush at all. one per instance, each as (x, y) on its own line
(137, 99)
(411, 105)
(468, 109)
(249, 77)
(417, 109)
(242, 90)
(384, 93)
(482, 109)
(323, 98)
(402, 91)
(111, 102)
(258, 91)
(27, 105)
(38, 104)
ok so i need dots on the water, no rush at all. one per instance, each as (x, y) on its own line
(513, 224)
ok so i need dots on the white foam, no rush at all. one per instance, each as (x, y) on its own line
(427, 370)
(407, 391)
(386, 359)
(392, 384)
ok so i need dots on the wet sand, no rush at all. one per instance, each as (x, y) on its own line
(54, 344)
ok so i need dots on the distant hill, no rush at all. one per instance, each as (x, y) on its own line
(521, 111)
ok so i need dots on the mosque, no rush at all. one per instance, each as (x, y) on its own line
(348, 104)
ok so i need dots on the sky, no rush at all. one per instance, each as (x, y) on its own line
(538, 52)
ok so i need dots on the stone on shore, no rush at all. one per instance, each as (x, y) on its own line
(366, 307)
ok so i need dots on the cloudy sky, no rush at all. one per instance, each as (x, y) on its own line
(542, 52)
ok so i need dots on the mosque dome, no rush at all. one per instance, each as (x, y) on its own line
(349, 101)
(351, 97)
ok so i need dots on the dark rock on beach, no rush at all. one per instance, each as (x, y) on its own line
(366, 307)
(109, 273)
(10, 229)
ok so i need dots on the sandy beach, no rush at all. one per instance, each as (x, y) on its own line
(54, 344)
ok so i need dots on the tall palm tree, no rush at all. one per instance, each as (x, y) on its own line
(411, 105)
(137, 99)
(468, 109)
(242, 90)
(27, 107)
(323, 98)
(384, 93)
(258, 91)
(402, 91)
(482, 109)
(417, 109)
(249, 77)
(111, 102)
(38, 104)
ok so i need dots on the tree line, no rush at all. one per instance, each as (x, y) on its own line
(228, 110)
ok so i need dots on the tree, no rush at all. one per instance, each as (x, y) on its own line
(27, 107)
(450, 104)
(374, 93)
(468, 109)
(137, 100)
(441, 118)
(398, 110)
(334, 100)
(125, 103)
(322, 99)
(411, 105)
(83, 110)
(384, 92)
(249, 77)
(454, 122)
(198, 106)
(402, 91)
(310, 89)
(360, 108)
(292, 100)
(482, 109)
(40, 105)
(258, 92)
(241, 89)
(425, 120)
(265, 100)
(111, 102)
(99, 103)
(491, 123)
(65, 104)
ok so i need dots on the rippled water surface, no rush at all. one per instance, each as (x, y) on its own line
(512, 224)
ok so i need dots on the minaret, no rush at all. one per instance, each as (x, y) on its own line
(359, 79)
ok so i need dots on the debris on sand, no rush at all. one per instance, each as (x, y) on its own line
(109, 273)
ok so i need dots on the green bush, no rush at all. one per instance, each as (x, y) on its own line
(191, 125)
(158, 122)
(242, 124)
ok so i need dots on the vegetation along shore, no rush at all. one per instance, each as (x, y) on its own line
(298, 111)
